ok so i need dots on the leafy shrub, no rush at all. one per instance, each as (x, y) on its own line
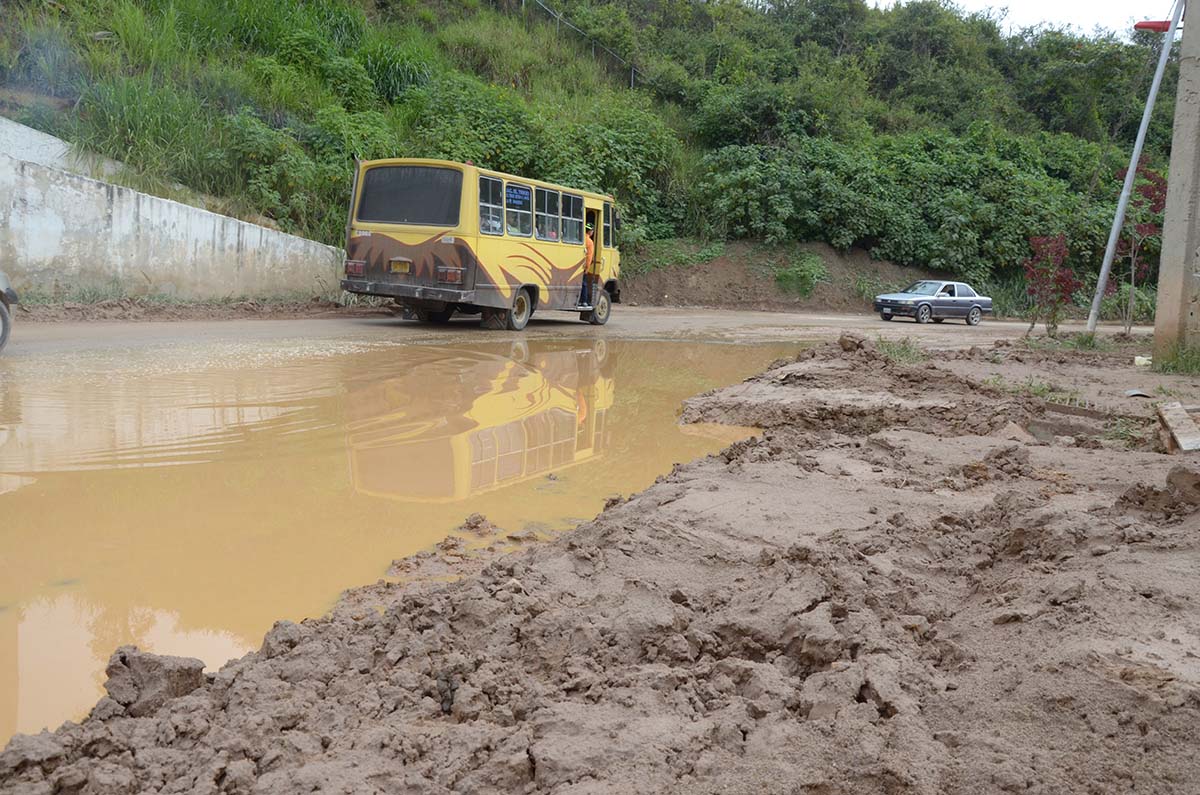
(802, 275)
(349, 81)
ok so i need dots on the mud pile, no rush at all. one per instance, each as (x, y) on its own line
(849, 603)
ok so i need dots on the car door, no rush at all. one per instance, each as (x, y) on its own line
(944, 303)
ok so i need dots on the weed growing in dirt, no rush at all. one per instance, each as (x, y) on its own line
(997, 382)
(901, 351)
(1166, 391)
(802, 274)
(1124, 430)
(1033, 387)
(1047, 391)
(1180, 359)
(1086, 342)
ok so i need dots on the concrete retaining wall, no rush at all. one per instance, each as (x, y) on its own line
(61, 231)
(25, 143)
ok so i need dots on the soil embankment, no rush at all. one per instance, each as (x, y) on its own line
(914, 580)
(743, 276)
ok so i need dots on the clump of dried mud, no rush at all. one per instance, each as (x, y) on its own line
(874, 596)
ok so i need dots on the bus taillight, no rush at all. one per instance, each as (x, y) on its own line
(450, 275)
(355, 267)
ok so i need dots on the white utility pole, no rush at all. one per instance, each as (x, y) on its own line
(1119, 219)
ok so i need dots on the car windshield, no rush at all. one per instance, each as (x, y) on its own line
(923, 288)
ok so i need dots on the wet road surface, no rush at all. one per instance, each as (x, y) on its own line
(627, 323)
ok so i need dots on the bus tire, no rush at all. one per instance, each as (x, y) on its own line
(602, 310)
(522, 310)
(5, 324)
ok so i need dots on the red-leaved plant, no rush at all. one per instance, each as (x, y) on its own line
(1050, 283)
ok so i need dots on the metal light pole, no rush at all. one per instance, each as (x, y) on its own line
(1130, 175)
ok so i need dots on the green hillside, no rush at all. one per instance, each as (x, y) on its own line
(922, 134)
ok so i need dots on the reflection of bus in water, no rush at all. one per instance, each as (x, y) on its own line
(457, 422)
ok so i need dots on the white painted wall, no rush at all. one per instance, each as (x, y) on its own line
(25, 143)
(60, 231)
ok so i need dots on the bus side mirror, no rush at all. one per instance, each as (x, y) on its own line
(616, 220)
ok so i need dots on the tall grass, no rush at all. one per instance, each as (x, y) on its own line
(1180, 360)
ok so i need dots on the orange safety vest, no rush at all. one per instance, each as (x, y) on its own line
(590, 262)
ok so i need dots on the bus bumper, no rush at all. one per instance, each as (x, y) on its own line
(412, 292)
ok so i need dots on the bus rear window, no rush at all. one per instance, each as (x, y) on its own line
(421, 195)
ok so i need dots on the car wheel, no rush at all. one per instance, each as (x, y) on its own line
(5, 324)
(522, 309)
(924, 313)
(599, 315)
(883, 316)
(974, 316)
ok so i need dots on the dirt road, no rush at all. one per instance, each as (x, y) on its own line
(628, 322)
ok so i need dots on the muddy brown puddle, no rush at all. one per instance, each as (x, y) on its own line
(184, 500)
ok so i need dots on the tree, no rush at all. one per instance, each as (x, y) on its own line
(1051, 284)
(1142, 233)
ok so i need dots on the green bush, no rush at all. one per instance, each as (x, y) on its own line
(967, 207)
(802, 274)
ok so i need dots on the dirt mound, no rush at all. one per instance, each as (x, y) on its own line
(861, 391)
(838, 605)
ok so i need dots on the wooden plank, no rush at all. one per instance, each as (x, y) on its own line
(1184, 432)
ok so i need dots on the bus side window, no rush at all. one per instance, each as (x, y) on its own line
(491, 208)
(546, 215)
(572, 218)
(608, 225)
(519, 201)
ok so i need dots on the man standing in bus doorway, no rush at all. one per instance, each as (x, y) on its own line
(589, 257)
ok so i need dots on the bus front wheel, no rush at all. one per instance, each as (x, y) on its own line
(600, 312)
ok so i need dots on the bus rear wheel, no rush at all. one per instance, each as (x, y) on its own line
(522, 310)
(600, 311)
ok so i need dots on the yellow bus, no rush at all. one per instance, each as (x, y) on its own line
(441, 237)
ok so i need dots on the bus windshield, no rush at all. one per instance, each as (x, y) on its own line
(421, 195)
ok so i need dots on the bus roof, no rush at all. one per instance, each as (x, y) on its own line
(421, 161)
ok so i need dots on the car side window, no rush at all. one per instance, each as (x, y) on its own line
(965, 292)
(948, 291)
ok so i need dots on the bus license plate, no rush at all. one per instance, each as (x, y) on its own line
(400, 266)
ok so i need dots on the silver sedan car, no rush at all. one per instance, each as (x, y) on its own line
(930, 299)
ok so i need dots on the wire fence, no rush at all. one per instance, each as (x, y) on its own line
(612, 59)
